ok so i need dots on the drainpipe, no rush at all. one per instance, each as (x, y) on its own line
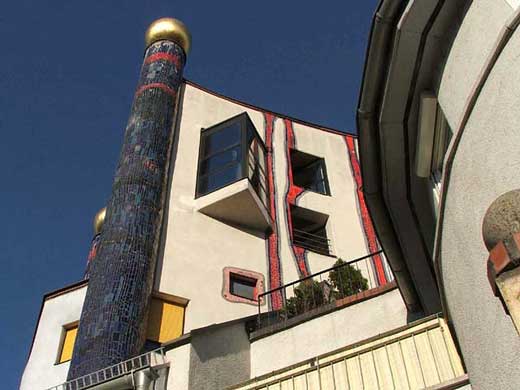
(113, 320)
(374, 75)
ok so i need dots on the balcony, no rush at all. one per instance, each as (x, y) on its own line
(231, 179)
(420, 355)
(318, 294)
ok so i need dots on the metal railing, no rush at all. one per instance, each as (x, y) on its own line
(316, 291)
(312, 242)
(148, 359)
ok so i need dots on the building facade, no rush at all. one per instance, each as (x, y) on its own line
(237, 251)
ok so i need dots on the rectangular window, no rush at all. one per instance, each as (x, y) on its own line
(67, 345)
(242, 286)
(309, 172)
(309, 230)
(165, 319)
(231, 151)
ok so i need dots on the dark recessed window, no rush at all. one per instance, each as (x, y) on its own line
(231, 151)
(242, 286)
(309, 172)
(310, 230)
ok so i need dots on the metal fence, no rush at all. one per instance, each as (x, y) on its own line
(312, 242)
(145, 360)
(317, 291)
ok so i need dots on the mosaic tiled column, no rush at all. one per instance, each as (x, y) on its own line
(113, 320)
(99, 220)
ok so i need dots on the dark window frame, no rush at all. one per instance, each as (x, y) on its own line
(317, 161)
(245, 126)
(246, 280)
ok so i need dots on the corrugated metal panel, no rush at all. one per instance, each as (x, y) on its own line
(417, 357)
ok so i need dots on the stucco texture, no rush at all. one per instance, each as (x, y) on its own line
(486, 165)
(41, 372)
(197, 247)
(219, 357)
(328, 333)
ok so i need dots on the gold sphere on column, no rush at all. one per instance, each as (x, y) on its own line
(99, 220)
(169, 29)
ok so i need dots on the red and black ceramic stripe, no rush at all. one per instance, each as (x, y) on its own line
(113, 320)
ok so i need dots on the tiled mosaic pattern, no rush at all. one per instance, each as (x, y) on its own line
(113, 320)
(92, 254)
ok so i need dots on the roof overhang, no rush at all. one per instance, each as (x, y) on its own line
(404, 57)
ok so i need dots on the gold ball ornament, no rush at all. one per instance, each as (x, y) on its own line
(99, 220)
(169, 29)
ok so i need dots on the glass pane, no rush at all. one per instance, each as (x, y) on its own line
(221, 139)
(242, 287)
(219, 160)
(219, 179)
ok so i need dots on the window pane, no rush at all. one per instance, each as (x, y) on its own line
(219, 179)
(68, 344)
(242, 286)
(219, 160)
(221, 139)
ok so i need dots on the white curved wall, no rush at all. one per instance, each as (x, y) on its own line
(486, 164)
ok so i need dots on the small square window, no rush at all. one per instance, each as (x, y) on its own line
(309, 172)
(242, 286)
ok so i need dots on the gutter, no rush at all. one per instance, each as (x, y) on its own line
(374, 74)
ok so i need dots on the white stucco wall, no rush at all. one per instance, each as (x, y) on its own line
(179, 374)
(328, 333)
(198, 247)
(41, 371)
(474, 42)
(486, 165)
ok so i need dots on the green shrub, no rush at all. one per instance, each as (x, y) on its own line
(346, 280)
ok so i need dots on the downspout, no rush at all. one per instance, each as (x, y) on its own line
(373, 80)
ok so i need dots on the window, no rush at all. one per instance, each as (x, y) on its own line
(67, 345)
(231, 151)
(166, 318)
(441, 141)
(309, 230)
(242, 286)
(309, 172)
(433, 138)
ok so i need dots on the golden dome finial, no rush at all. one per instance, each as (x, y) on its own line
(169, 29)
(99, 220)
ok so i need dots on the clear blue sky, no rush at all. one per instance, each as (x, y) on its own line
(67, 77)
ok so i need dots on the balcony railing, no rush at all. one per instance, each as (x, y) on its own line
(137, 363)
(312, 242)
(317, 291)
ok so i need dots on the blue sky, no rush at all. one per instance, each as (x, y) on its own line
(67, 78)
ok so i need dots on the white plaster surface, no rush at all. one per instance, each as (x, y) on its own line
(41, 371)
(474, 42)
(327, 333)
(198, 247)
(179, 375)
(485, 166)
(513, 3)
